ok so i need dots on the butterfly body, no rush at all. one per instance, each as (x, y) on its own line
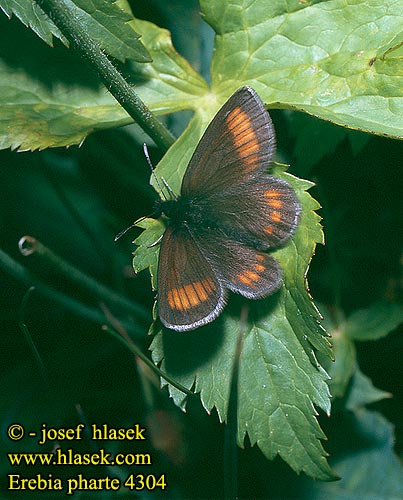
(181, 212)
(229, 211)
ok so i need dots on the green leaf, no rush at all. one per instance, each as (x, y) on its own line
(363, 392)
(344, 365)
(280, 381)
(106, 23)
(30, 14)
(146, 255)
(369, 467)
(331, 59)
(50, 98)
(110, 27)
(345, 376)
(320, 57)
(374, 322)
(169, 83)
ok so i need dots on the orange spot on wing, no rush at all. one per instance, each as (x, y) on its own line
(246, 148)
(252, 275)
(272, 193)
(250, 162)
(209, 285)
(275, 216)
(245, 280)
(238, 122)
(275, 203)
(268, 230)
(273, 198)
(174, 300)
(240, 126)
(184, 298)
(248, 277)
(199, 292)
(259, 268)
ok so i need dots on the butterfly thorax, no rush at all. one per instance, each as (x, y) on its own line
(182, 212)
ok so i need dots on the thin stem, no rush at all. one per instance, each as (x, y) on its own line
(121, 334)
(127, 342)
(27, 335)
(30, 246)
(12, 267)
(65, 19)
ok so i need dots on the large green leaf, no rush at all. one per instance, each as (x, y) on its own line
(368, 466)
(105, 22)
(50, 98)
(280, 381)
(374, 322)
(331, 58)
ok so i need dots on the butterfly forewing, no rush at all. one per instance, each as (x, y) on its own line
(262, 212)
(238, 143)
(189, 293)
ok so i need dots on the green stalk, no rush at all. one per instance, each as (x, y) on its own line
(30, 246)
(64, 18)
(15, 269)
(127, 342)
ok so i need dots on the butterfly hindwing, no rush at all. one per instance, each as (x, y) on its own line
(189, 293)
(238, 143)
(240, 268)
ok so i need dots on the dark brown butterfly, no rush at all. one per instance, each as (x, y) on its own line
(229, 212)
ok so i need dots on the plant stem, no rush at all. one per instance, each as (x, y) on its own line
(19, 272)
(28, 338)
(64, 18)
(30, 246)
(137, 352)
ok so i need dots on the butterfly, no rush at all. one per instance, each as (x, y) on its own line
(229, 213)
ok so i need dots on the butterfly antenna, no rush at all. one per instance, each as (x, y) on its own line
(169, 188)
(160, 187)
(122, 233)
